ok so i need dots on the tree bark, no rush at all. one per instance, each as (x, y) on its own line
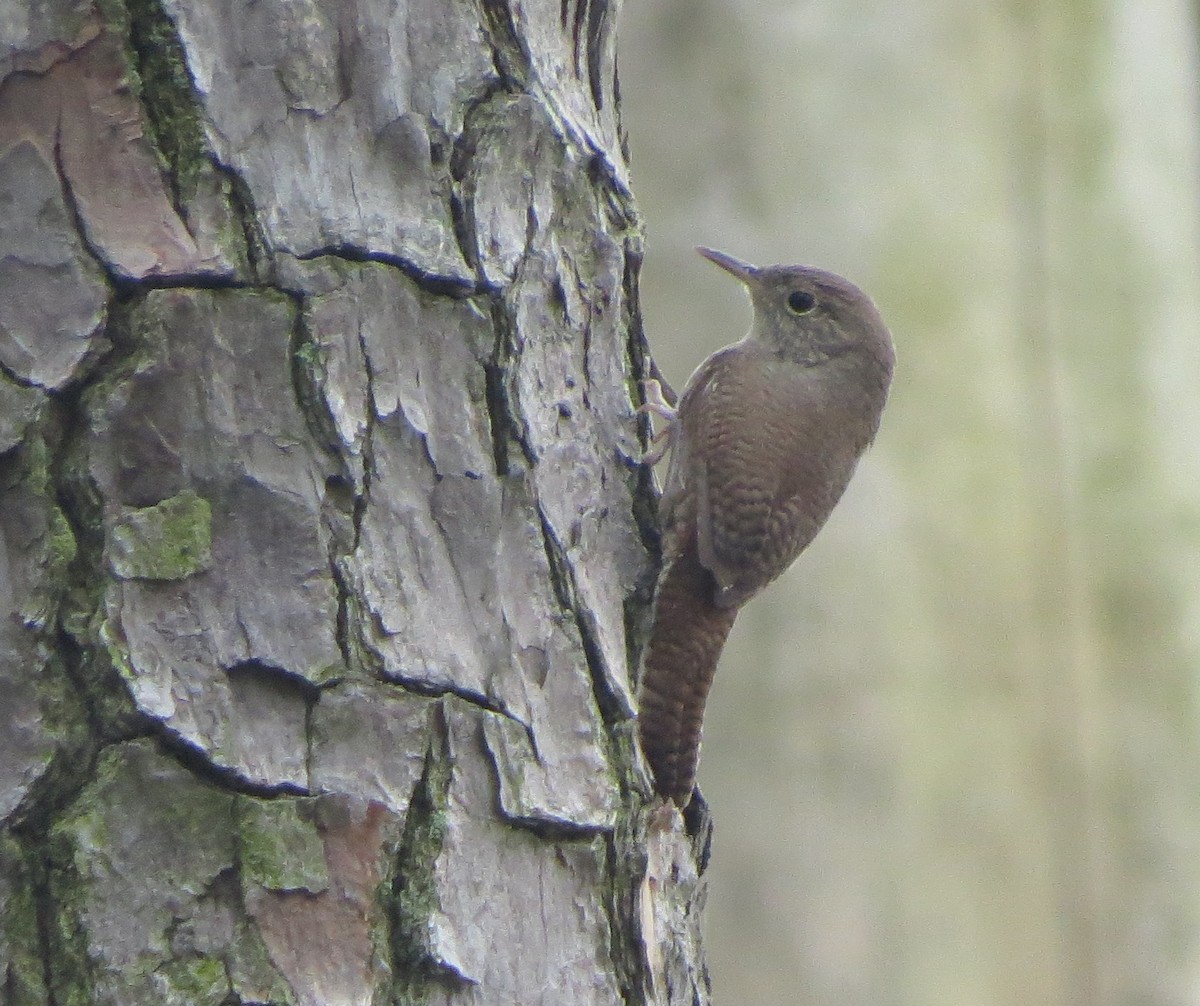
(323, 544)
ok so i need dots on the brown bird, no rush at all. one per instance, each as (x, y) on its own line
(764, 440)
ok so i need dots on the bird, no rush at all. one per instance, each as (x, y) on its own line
(763, 442)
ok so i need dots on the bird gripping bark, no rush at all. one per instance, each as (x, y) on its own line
(764, 440)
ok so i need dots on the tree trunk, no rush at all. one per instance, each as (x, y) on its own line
(323, 545)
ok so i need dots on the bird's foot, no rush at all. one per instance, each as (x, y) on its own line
(655, 404)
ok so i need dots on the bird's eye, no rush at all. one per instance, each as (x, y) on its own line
(801, 302)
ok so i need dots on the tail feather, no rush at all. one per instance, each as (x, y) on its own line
(687, 635)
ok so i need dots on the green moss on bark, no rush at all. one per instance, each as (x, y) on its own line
(194, 981)
(171, 540)
(134, 858)
(279, 846)
(413, 898)
(160, 64)
(20, 942)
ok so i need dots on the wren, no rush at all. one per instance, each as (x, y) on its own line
(763, 442)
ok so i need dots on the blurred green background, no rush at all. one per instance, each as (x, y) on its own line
(953, 756)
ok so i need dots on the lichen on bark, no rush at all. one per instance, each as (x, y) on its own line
(170, 540)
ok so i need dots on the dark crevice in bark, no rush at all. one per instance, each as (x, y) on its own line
(241, 202)
(127, 288)
(76, 215)
(13, 378)
(168, 95)
(308, 365)
(66, 774)
(280, 678)
(341, 505)
(698, 823)
(342, 627)
(578, 32)
(413, 898)
(172, 116)
(645, 493)
(370, 468)
(588, 36)
(462, 218)
(586, 336)
(351, 496)
(48, 919)
(509, 53)
(435, 283)
(612, 707)
(616, 197)
(598, 11)
(351, 634)
(559, 565)
(462, 194)
(197, 762)
(309, 711)
(499, 420)
(560, 831)
(88, 665)
(66, 971)
(422, 686)
(509, 447)
(625, 867)
(66, 705)
(562, 579)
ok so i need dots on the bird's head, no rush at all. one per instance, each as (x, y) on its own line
(811, 316)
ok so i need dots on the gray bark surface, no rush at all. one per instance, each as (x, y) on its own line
(323, 545)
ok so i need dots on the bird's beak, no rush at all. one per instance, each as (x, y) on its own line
(742, 270)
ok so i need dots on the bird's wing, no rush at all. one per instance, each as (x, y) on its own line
(726, 476)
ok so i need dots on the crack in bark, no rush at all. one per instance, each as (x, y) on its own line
(435, 283)
(462, 195)
(637, 604)
(68, 769)
(341, 631)
(561, 831)
(76, 214)
(282, 676)
(67, 975)
(423, 687)
(108, 713)
(168, 95)
(196, 761)
(587, 32)
(47, 911)
(13, 378)
(414, 892)
(309, 389)
(578, 30)
(625, 863)
(596, 22)
(259, 258)
(502, 419)
(510, 56)
(562, 579)
(307, 373)
(499, 418)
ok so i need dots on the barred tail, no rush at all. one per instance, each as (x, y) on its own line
(686, 639)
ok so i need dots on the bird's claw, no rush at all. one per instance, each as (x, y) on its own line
(655, 404)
